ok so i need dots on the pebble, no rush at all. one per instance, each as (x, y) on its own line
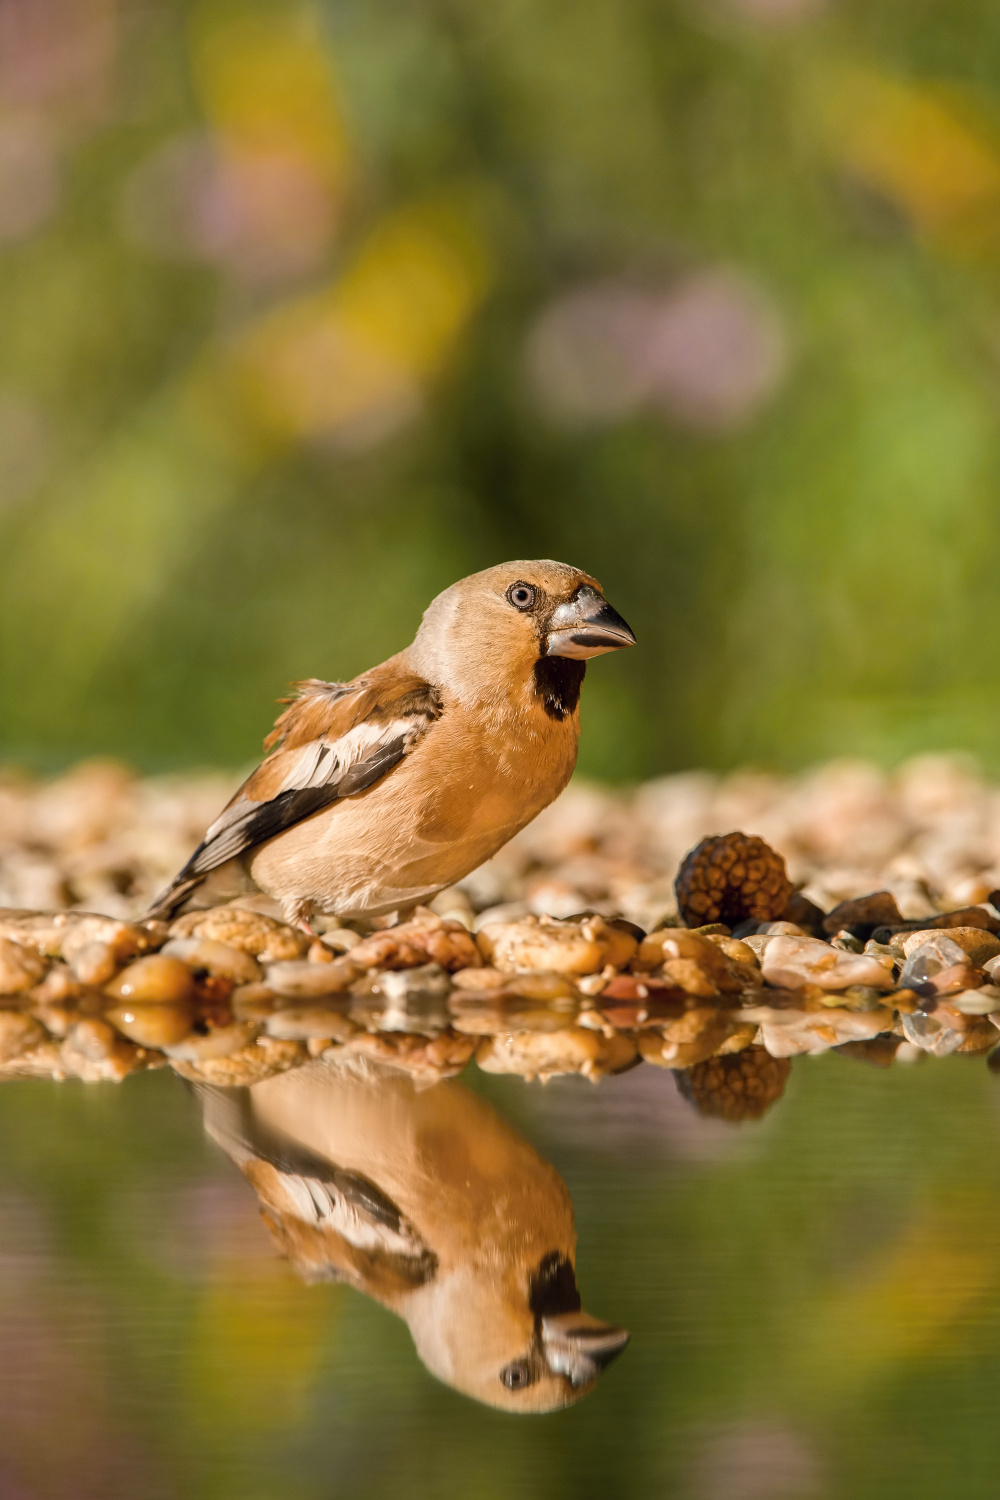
(153, 979)
(930, 1034)
(339, 939)
(791, 962)
(978, 944)
(792, 1033)
(427, 938)
(20, 968)
(563, 947)
(160, 1025)
(94, 963)
(18, 1034)
(573, 1049)
(878, 909)
(220, 959)
(221, 1041)
(260, 1059)
(303, 1023)
(298, 979)
(930, 958)
(250, 931)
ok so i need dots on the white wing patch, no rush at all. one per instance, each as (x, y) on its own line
(325, 761)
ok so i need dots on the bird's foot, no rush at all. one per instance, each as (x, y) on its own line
(298, 914)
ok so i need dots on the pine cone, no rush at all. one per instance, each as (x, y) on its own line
(732, 878)
(740, 1086)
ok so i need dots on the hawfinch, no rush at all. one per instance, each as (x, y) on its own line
(429, 1202)
(378, 793)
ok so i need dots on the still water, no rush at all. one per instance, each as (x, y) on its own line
(813, 1299)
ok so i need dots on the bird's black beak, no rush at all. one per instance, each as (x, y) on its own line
(586, 626)
(579, 1347)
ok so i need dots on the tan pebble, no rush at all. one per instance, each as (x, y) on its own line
(160, 1025)
(43, 1061)
(574, 1049)
(153, 979)
(692, 1038)
(789, 1033)
(340, 939)
(736, 949)
(790, 962)
(980, 945)
(57, 987)
(319, 953)
(984, 1001)
(262, 1059)
(298, 979)
(479, 980)
(92, 1038)
(125, 939)
(252, 1002)
(94, 963)
(19, 1033)
(316, 1046)
(562, 947)
(542, 987)
(20, 968)
(220, 959)
(427, 938)
(221, 1041)
(694, 963)
(252, 932)
(298, 1023)
(426, 1060)
(481, 1017)
(57, 1016)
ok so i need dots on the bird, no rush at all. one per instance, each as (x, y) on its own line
(376, 794)
(428, 1201)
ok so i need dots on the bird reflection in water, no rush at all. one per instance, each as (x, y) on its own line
(428, 1201)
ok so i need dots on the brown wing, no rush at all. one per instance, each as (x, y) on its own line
(335, 740)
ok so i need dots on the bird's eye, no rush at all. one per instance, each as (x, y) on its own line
(521, 595)
(517, 1375)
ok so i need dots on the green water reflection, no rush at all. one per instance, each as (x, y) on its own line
(814, 1304)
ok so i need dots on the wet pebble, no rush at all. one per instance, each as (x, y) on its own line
(791, 962)
(220, 1041)
(219, 959)
(298, 979)
(94, 963)
(20, 967)
(18, 1034)
(154, 979)
(153, 1025)
(303, 1023)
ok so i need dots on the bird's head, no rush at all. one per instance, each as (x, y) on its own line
(512, 1336)
(521, 624)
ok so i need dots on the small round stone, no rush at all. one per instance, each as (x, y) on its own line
(156, 980)
(153, 1025)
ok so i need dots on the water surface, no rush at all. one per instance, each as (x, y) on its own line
(813, 1301)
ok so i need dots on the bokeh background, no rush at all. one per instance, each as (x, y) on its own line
(310, 306)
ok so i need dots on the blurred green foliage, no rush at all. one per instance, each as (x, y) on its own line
(290, 342)
(817, 1294)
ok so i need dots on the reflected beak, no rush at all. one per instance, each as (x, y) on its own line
(586, 626)
(579, 1347)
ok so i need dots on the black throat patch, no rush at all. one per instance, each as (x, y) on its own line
(558, 680)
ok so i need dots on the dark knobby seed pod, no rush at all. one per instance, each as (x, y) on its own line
(740, 1086)
(731, 878)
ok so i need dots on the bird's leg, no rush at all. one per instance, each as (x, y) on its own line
(297, 913)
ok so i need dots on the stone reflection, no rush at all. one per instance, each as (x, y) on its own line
(428, 1201)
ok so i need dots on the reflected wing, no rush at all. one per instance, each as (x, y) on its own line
(328, 1220)
(334, 741)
